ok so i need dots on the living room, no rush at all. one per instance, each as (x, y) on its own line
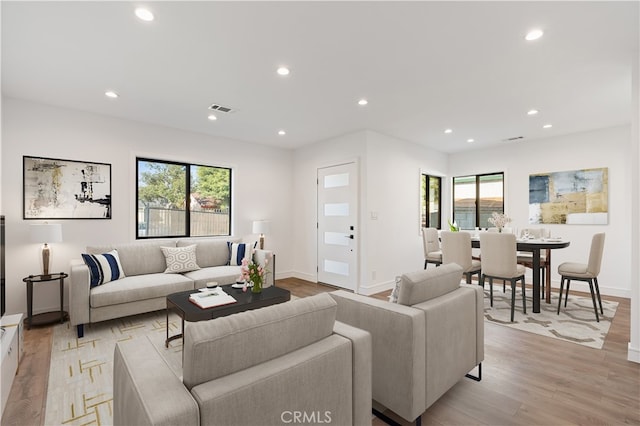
(277, 180)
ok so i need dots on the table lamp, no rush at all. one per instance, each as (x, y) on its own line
(46, 233)
(261, 227)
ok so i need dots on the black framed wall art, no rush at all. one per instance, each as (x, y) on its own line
(65, 189)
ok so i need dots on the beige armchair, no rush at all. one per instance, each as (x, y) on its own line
(431, 244)
(258, 367)
(425, 343)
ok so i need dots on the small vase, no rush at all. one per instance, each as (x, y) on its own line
(257, 286)
(499, 229)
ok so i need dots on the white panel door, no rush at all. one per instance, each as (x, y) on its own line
(337, 225)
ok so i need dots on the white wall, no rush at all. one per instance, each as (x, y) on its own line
(634, 159)
(262, 184)
(390, 186)
(599, 148)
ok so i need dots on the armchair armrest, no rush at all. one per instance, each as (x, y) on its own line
(362, 366)
(79, 291)
(398, 348)
(146, 391)
(260, 256)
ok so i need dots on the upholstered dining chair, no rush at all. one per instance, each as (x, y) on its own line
(584, 272)
(499, 260)
(431, 243)
(456, 248)
(525, 258)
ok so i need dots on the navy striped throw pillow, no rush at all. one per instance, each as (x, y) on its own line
(238, 251)
(103, 267)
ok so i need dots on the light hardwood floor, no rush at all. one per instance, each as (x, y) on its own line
(526, 379)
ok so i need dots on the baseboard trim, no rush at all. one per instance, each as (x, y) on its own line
(376, 288)
(303, 276)
(633, 354)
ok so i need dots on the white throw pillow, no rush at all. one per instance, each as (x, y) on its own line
(180, 259)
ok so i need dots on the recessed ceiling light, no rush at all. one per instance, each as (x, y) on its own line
(470, 140)
(532, 112)
(212, 117)
(363, 102)
(282, 132)
(534, 34)
(283, 71)
(547, 126)
(144, 14)
(111, 94)
(447, 131)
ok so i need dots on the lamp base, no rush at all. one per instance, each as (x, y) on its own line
(45, 259)
(261, 241)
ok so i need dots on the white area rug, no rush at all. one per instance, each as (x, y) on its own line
(81, 375)
(576, 323)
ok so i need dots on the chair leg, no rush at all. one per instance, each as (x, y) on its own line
(491, 290)
(595, 281)
(593, 299)
(560, 295)
(566, 294)
(425, 264)
(468, 274)
(524, 298)
(513, 297)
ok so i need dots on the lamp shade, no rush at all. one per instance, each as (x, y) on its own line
(46, 233)
(261, 226)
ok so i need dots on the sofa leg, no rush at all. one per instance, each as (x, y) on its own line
(478, 377)
(389, 420)
(80, 328)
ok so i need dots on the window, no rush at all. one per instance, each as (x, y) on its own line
(430, 204)
(475, 198)
(181, 200)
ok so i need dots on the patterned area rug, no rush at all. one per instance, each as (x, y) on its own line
(81, 375)
(576, 323)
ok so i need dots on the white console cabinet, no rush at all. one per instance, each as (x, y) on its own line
(12, 348)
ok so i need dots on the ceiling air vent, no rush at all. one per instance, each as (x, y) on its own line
(517, 138)
(220, 108)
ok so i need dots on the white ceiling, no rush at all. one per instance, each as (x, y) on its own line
(423, 66)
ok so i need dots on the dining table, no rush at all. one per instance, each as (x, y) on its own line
(535, 246)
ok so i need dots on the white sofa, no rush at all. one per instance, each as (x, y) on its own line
(145, 285)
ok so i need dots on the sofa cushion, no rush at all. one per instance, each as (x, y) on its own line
(180, 259)
(209, 251)
(140, 257)
(423, 285)
(223, 275)
(138, 288)
(103, 267)
(276, 330)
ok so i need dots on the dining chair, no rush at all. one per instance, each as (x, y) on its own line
(525, 258)
(499, 260)
(456, 248)
(584, 272)
(431, 243)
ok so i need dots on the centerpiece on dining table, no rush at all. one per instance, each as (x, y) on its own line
(499, 220)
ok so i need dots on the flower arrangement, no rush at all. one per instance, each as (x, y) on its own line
(253, 272)
(499, 220)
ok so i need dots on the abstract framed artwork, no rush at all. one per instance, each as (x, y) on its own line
(65, 189)
(575, 197)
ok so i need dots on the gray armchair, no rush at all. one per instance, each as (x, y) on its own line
(258, 367)
(425, 343)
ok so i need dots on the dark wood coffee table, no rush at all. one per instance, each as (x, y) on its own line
(245, 301)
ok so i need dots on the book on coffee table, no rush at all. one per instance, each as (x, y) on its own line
(211, 298)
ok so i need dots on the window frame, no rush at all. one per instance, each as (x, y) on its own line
(187, 197)
(477, 200)
(426, 212)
